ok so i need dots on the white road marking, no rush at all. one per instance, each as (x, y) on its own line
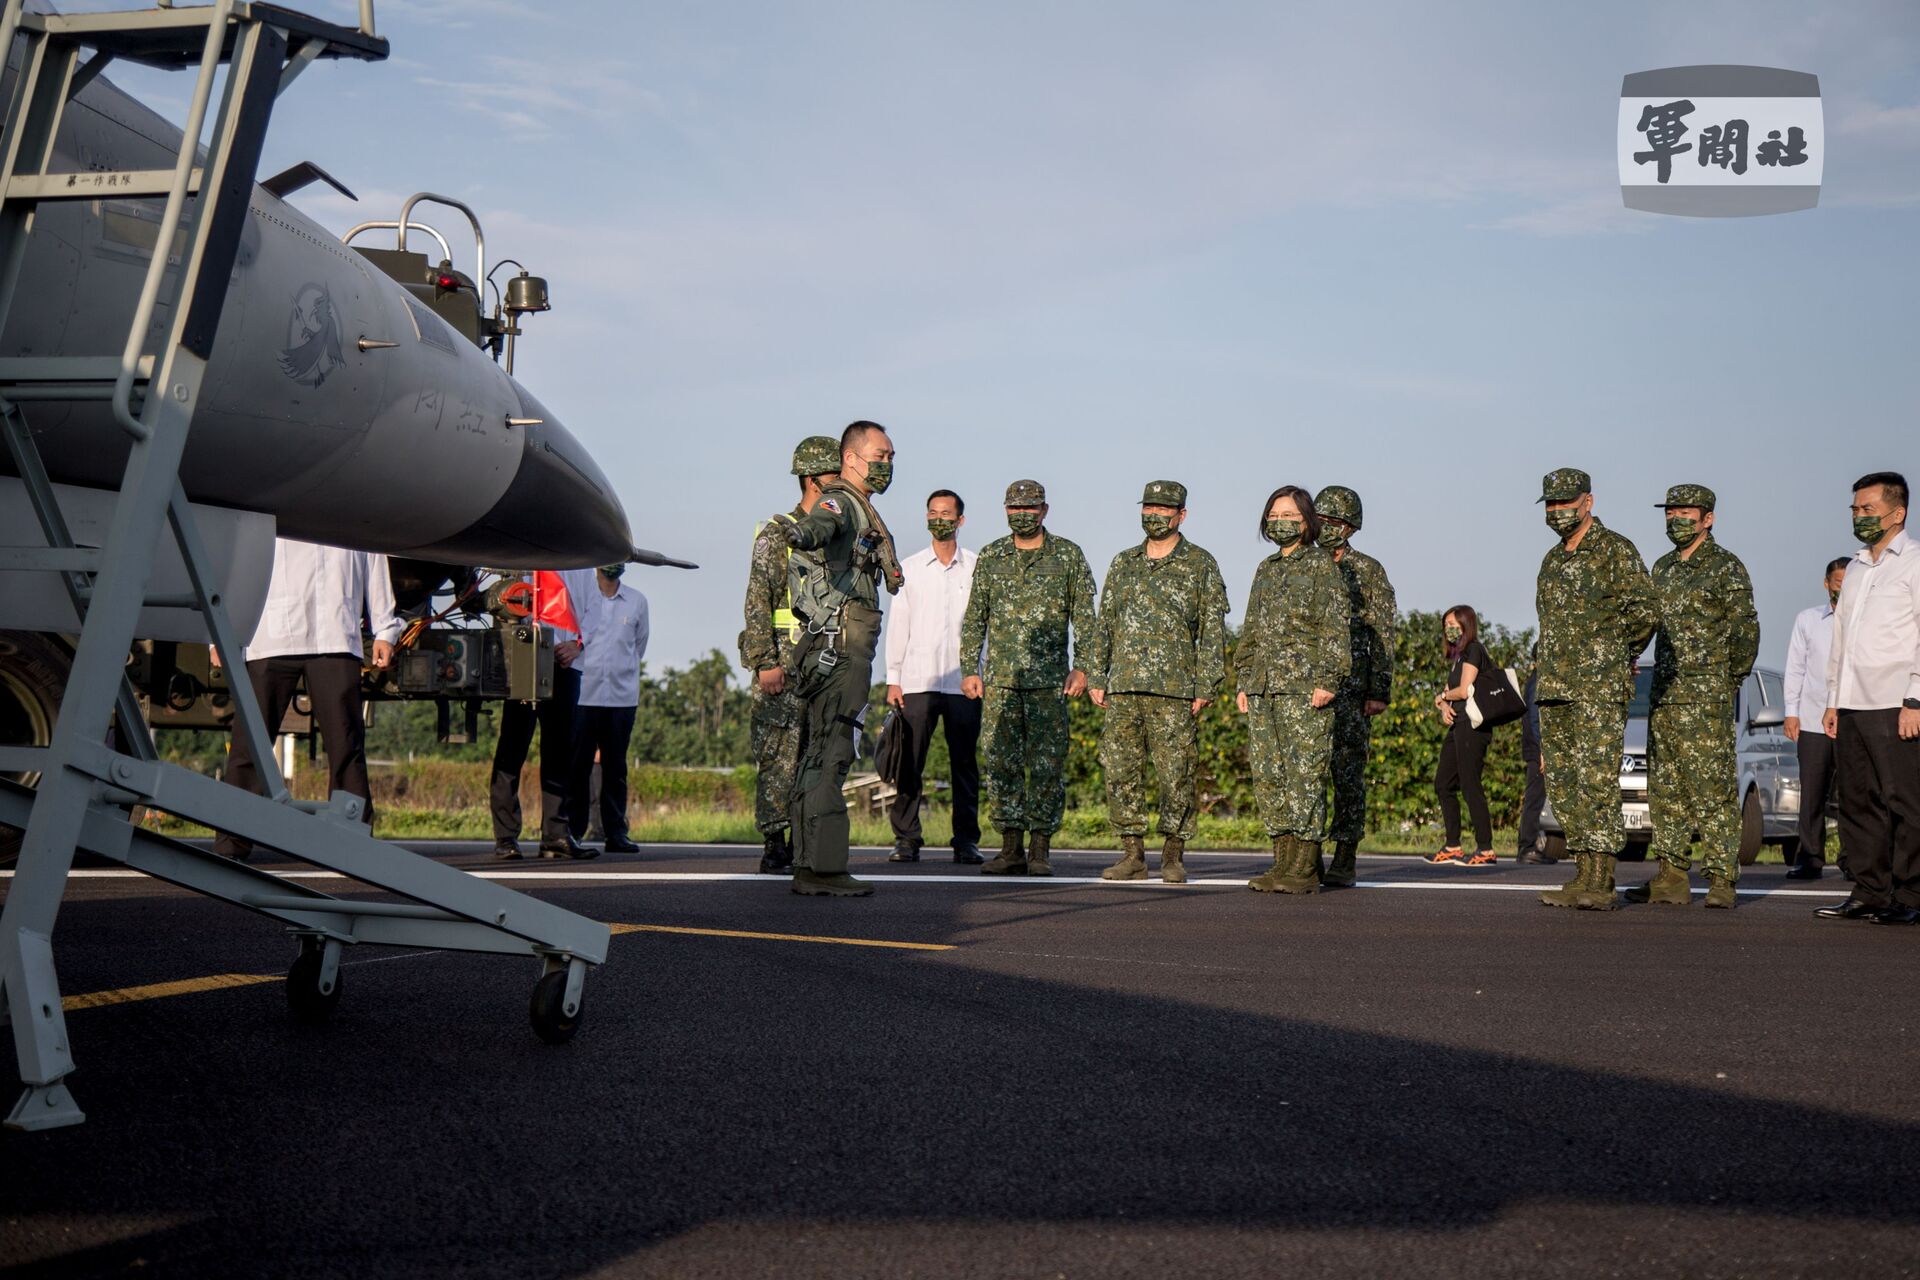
(977, 880)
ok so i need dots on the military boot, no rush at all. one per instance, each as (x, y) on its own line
(1598, 895)
(777, 855)
(1669, 885)
(1039, 853)
(841, 885)
(1173, 867)
(1295, 868)
(1133, 860)
(1266, 881)
(1343, 872)
(1720, 892)
(1566, 893)
(1011, 860)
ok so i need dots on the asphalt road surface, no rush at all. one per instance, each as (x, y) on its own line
(1429, 1075)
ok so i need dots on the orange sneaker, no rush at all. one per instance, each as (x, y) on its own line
(1484, 858)
(1448, 857)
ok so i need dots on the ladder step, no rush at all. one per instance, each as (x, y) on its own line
(49, 560)
(125, 184)
(25, 759)
(18, 371)
(172, 38)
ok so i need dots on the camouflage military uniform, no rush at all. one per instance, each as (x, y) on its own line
(1021, 605)
(1596, 611)
(764, 644)
(1159, 643)
(1296, 638)
(1708, 639)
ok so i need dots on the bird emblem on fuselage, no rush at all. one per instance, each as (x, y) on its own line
(313, 337)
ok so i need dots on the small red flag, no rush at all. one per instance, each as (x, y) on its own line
(551, 604)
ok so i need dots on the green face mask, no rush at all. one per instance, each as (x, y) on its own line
(1867, 529)
(879, 476)
(1453, 635)
(1681, 531)
(1332, 536)
(1563, 520)
(1283, 532)
(941, 529)
(1156, 525)
(1023, 523)
(1833, 597)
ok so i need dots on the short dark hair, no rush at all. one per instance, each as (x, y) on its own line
(1892, 481)
(1303, 500)
(856, 432)
(1469, 629)
(1838, 562)
(959, 503)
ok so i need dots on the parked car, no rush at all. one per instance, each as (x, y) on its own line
(1769, 787)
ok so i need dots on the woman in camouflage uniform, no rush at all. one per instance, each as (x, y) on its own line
(1294, 651)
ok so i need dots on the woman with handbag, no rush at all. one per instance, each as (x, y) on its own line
(1464, 748)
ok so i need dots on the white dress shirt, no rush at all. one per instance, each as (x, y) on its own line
(315, 599)
(617, 630)
(1875, 662)
(1807, 654)
(923, 627)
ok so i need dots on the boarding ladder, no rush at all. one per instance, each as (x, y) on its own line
(88, 790)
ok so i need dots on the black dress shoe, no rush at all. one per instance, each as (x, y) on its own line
(1851, 909)
(507, 849)
(620, 844)
(569, 848)
(1898, 913)
(1533, 857)
(1807, 871)
(967, 853)
(904, 851)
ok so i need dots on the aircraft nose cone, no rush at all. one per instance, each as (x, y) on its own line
(559, 510)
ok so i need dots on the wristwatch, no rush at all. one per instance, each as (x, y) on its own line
(1911, 704)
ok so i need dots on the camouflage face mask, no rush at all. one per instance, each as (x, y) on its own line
(1453, 635)
(1157, 526)
(1023, 523)
(1833, 597)
(1563, 520)
(1681, 531)
(879, 476)
(1283, 532)
(942, 530)
(1867, 529)
(1332, 536)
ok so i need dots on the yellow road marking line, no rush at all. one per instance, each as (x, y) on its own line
(781, 937)
(160, 990)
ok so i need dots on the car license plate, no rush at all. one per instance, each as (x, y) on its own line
(1637, 817)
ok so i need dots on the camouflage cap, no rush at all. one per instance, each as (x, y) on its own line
(1026, 493)
(1164, 493)
(1340, 503)
(1689, 495)
(1565, 485)
(816, 456)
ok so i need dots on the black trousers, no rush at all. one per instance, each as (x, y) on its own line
(518, 720)
(333, 687)
(960, 716)
(1878, 774)
(1815, 752)
(606, 730)
(1532, 803)
(1462, 754)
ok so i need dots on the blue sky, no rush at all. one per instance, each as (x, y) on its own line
(1235, 245)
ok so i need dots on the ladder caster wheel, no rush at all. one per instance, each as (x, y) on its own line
(305, 1000)
(552, 1021)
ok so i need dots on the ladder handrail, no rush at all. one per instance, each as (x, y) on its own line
(473, 221)
(210, 60)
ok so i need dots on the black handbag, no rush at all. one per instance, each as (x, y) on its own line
(1495, 699)
(891, 747)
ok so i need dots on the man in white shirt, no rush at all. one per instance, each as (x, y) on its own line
(554, 719)
(1873, 709)
(923, 681)
(309, 632)
(1807, 654)
(616, 640)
